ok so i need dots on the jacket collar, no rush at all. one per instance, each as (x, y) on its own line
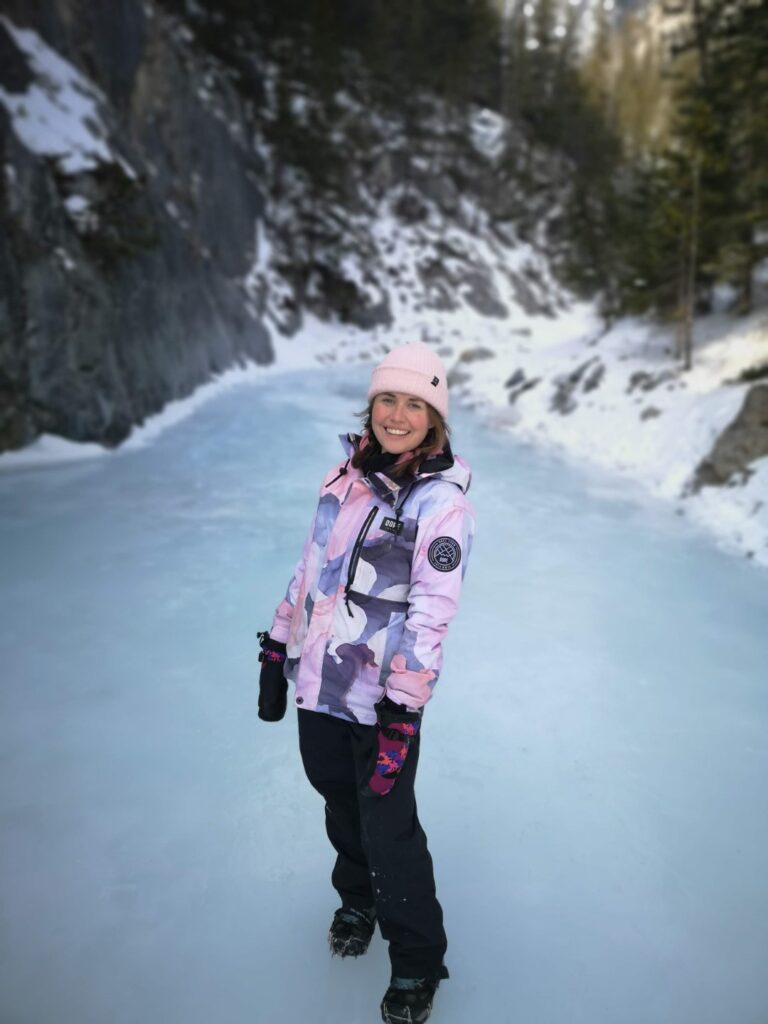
(445, 466)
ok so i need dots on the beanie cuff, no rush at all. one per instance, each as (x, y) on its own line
(410, 382)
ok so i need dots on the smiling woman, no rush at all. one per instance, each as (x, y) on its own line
(360, 633)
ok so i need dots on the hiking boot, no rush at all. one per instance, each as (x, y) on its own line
(409, 1000)
(351, 931)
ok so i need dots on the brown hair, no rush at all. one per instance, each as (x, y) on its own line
(434, 442)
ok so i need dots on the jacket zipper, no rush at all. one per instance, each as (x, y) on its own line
(356, 555)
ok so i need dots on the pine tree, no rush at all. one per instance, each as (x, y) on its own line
(738, 94)
(696, 208)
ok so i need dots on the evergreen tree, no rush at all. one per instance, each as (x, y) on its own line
(697, 207)
(737, 91)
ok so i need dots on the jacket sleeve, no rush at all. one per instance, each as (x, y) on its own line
(443, 544)
(281, 623)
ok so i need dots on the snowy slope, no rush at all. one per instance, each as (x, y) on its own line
(628, 407)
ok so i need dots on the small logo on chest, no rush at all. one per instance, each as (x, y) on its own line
(392, 525)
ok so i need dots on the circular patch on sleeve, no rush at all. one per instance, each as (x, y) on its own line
(444, 554)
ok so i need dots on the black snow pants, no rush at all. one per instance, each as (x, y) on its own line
(382, 856)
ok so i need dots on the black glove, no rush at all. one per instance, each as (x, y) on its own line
(273, 688)
(396, 729)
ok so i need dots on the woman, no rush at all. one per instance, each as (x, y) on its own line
(359, 632)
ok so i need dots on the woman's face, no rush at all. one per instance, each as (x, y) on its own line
(400, 422)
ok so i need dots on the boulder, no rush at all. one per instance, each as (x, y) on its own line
(742, 442)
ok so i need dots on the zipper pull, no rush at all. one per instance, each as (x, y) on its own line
(342, 472)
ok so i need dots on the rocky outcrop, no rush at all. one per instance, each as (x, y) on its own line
(122, 255)
(586, 377)
(743, 442)
(458, 375)
(518, 384)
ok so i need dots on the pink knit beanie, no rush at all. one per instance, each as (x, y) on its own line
(413, 369)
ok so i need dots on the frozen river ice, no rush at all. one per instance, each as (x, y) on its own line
(593, 771)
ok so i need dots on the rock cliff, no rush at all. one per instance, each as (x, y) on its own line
(128, 200)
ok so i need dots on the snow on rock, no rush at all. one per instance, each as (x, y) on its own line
(50, 450)
(487, 133)
(58, 114)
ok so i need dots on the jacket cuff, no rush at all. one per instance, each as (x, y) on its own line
(407, 687)
(281, 625)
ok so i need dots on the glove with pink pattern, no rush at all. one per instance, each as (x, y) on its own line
(396, 729)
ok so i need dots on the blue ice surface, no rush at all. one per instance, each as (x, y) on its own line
(594, 762)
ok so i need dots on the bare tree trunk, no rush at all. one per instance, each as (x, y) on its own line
(746, 284)
(689, 308)
(508, 86)
(682, 284)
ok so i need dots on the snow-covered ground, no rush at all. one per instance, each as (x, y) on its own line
(593, 766)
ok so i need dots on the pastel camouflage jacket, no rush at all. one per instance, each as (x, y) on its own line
(376, 586)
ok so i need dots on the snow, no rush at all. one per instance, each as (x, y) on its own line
(593, 763)
(487, 132)
(607, 428)
(76, 204)
(64, 257)
(49, 450)
(300, 108)
(58, 116)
